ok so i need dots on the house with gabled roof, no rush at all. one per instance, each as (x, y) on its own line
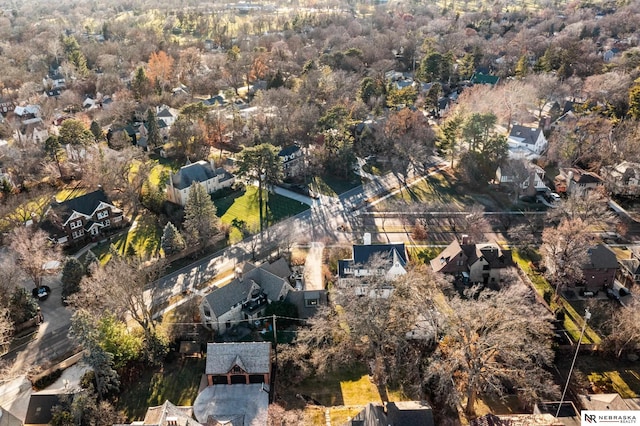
(372, 260)
(165, 114)
(247, 296)
(573, 180)
(599, 271)
(526, 142)
(238, 377)
(75, 220)
(168, 414)
(292, 161)
(622, 179)
(205, 173)
(473, 263)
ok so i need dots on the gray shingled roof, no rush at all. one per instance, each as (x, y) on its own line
(222, 299)
(363, 253)
(601, 257)
(85, 204)
(200, 171)
(527, 134)
(159, 415)
(255, 357)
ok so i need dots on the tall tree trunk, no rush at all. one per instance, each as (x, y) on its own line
(471, 399)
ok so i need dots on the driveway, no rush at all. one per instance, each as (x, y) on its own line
(313, 267)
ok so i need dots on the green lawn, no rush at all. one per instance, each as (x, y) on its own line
(143, 240)
(243, 207)
(345, 386)
(436, 189)
(330, 185)
(177, 382)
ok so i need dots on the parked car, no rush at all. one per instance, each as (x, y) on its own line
(42, 292)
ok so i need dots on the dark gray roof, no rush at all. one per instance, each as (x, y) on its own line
(165, 113)
(252, 357)
(409, 413)
(199, 171)
(222, 299)
(270, 283)
(39, 410)
(363, 253)
(528, 134)
(601, 257)
(289, 150)
(279, 268)
(299, 299)
(85, 204)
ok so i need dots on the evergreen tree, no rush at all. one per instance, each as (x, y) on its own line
(172, 241)
(141, 85)
(200, 220)
(96, 129)
(154, 138)
(85, 331)
(522, 67)
(634, 100)
(72, 273)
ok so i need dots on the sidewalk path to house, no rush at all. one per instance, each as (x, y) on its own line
(313, 267)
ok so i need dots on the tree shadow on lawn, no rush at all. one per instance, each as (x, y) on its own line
(223, 204)
(177, 381)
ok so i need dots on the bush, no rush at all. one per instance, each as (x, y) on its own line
(88, 380)
(47, 380)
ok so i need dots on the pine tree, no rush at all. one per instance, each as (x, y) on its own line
(154, 138)
(96, 129)
(172, 241)
(200, 220)
(72, 273)
(634, 100)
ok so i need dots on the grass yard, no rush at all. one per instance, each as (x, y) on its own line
(243, 206)
(329, 185)
(436, 189)
(605, 374)
(177, 382)
(143, 240)
(573, 320)
(346, 386)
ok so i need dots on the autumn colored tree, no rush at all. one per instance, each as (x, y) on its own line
(160, 70)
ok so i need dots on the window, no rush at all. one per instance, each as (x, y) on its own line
(106, 222)
(77, 234)
(311, 302)
(76, 224)
(103, 214)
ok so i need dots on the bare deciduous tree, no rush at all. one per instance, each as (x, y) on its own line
(34, 250)
(493, 344)
(624, 330)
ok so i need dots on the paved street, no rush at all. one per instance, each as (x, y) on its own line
(329, 220)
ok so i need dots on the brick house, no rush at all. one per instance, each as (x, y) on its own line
(238, 363)
(576, 181)
(473, 263)
(599, 271)
(86, 217)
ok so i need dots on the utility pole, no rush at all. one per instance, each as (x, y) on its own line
(587, 316)
(275, 351)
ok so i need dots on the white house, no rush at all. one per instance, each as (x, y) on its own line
(203, 172)
(165, 114)
(622, 179)
(536, 175)
(373, 260)
(526, 142)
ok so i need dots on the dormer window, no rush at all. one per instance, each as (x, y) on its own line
(103, 214)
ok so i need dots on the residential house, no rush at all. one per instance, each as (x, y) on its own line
(607, 402)
(40, 408)
(88, 216)
(247, 296)
(576, 181)
(238, 377)
(609, 54)
(165, 114)
(473, 263)
(238, 363)
(205, 173)
(6, 106)
(526, 142)
(399, 413)
(372, 260)
(629, 270)
(481, 78)
(32, 130)
(26, 112)
(292, 161)
(622, 179)
(168, 414)
(307, 301)
(599, 271)
(535, 176)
